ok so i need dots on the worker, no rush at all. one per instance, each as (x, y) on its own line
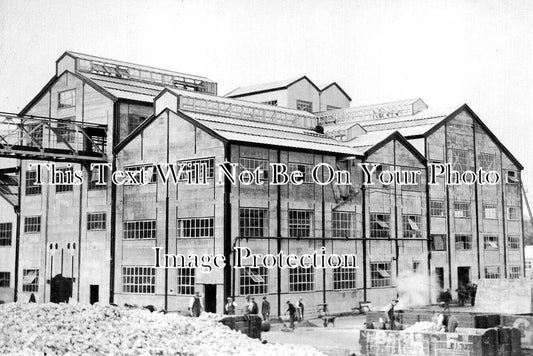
(195, 305)
(301, 308)
(445, 299)
(230, 307)
(447, 322)
(292, 313)
(389, 313)
(254, 307)
(472, 291)
(265, 309)
(462, 294)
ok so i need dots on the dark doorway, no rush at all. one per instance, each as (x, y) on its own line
(463, 276)
(60, 289)
(94, 293)
(439, 272)
(210, 298)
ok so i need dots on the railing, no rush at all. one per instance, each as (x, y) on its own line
(34, 137)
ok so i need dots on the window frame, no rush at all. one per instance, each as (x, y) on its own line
(488, 240)
(96, 221)
(5, 276)
(139, 283)
(380, 277)
(210, 172)
(185, 281)
(246, 222)
(492, 275)
(304, 105)
(432, 242)
(63, 188)
(6, 234)
(344, 278)
(61, 105)
(509, 215)
(301, 279)
(28, 224)
(441, 209)
(250, 280)
(140, 230)
(466, 242)
(300, 224)
(32, 287)
(407, 228)
(200, 231)
(513, 245)
(491, 207)
(307, 177)
(251, 164)
(466, 211)
(30, 176)
(382, 230)
(341, 227)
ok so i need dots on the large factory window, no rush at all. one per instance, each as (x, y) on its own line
(341, 223)
(514, 272)
(411, 226)
(5, 279)
(305, 169)
(32, 224)
(344, 278)
(436, 208)
(253, 222)
(66, 99)
(189, 168)
(139, 280)
(380, 274)
(300, 223)
(185, 281)
(6, 230)
(380, 225)
(489, 211)
(492, 272)
(460, 160)
(301, 279)
(196, 227)
(487, 161)
(438, 242)
(66, 171)
(491, 242)
(251, 164)
(96, 221)
(31, 187)
(463, 242)
(253, 280)
(513, 242)
(461, 210)
(304, 105)
(513, 213)
(141, 229)
(30, 280)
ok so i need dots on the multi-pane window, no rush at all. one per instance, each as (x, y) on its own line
(460, 160)
(65, 172)
(185, 281)
(305, 169)
(436, 208)
(94, 176)
(411, 226)
(270, 102)
(31, 187)
(253, 222)
(379, 225)
(96, 221)
(487, 161)
(300, 223)
(140, 229)
(5, 279)
(65, 131)
(341, 224)
(461, 210)
(196, 227)
(139, 280)
(514, 272)
(512, 177)
(147, 170)
(253, 280)
(34, 134)
(491, 242)
(191, 166)
(30, 280)
(438, 242)
(66, 99)
(380, 274)
(301, 279)
(304, 105)
(463, 242)
(513, 213)
(344, 278)
(6, 231)
(32, 224)
(331, 107)
(251, 164)
(513, 242)
(489, 211)
(492, 272)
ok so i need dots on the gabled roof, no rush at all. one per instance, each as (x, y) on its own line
(378, 140)
(325, 87)
(267, 87)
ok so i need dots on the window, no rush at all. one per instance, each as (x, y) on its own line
(148, 171)
(438, 242)
(65, 131)
(301, 279)
(304, 105)
(196, 227)
(463, 242)
(380, 274)
(145, 75)
(513, 213)
(489, 211)
(30, 280)
(492, 272)
(461, 210)
(96, 221)
(142, 229)
(512, 177)
(491, 242)
(34, 135)
(139, 280)
(251, 164)
(32, 224)
(270, 102)
(5, 279)
(436, 208)
(300, 223)
(459, 160)
(185, 281)
(253, 222)
(94, 175)
(380, 169)
(380, 225)
(411, 226)
(331, 107)
(190, 168)
(487, 161)
(344, 278)
(513, 242)
(31, 187)
(341, 224)
(305, 169)
(66, 99)
(514, 272)
(6, 230)
(66, 172)
(253, 280)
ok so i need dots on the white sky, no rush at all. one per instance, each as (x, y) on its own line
(446, 52)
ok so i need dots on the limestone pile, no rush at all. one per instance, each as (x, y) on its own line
(423, 326)
(67, 329)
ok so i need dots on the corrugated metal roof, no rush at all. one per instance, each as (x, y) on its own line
(428, 117)
(126, 89)
(261, 87)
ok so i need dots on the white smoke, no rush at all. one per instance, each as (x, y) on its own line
(413, 289)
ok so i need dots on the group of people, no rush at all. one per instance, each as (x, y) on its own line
(464, 293)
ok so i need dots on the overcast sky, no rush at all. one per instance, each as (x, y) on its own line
(446, 52)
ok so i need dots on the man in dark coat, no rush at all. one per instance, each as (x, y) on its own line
(292, 313)
(195, 305)
(445, 299)
(389, 313)
(265, 309)
(255, 307)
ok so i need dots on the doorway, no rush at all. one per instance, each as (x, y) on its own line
(210, 298)
(439, 273)
(463, 276)
(94, 293)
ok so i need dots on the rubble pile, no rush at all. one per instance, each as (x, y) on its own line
(58, 329)
(424, 326)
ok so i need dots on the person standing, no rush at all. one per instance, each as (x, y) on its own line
(446, 298)
(195, 305)
(301, 308)
(389, 313)
(254, 307)
(265, 309)
(230, 307)
(292, 313)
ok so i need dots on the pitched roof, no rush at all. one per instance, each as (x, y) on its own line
(267, 87)
(326, 87)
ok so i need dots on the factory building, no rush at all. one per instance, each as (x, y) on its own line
(102, 237)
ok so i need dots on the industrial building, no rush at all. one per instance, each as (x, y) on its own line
(100, 237)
